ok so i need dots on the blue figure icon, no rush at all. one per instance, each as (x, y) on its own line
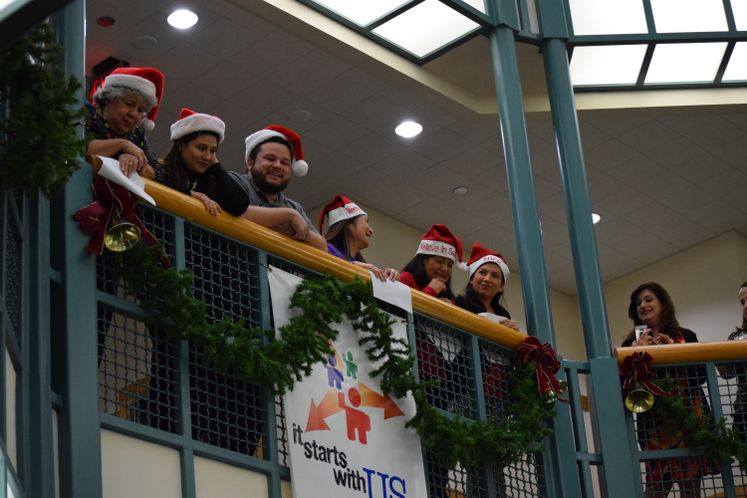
(334, 376)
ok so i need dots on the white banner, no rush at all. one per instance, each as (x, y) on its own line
(347, 438)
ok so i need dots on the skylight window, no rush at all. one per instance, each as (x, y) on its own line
(677, 16)
(685, 63)
(607, 17)
(361, 12)
(607, 64)
(426, 27)
(736, 70)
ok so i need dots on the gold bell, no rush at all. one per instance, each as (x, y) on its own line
(121, 235)
(639, 399)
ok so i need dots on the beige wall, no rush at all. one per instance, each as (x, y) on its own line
(703, 282)
(394, 244)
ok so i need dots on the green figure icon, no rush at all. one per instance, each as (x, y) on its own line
(352, 368)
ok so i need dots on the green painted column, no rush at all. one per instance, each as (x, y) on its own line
(614, 444)
(80, 445)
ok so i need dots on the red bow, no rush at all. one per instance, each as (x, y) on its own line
(636, 369)
(546, 363)
(94, 218)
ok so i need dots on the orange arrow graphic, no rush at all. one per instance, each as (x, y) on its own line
(369, 397)
(317, 413)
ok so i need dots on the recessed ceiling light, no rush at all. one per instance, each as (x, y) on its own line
(182, 19)
(408, 129)
(459, 190)
(145, 42)
(300, 116)
(595, 218)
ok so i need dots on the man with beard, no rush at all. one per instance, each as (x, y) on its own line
(271, 154)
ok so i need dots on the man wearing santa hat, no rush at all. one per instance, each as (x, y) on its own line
(271, 154)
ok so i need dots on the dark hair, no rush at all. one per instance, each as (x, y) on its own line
(669, 324)
(472, 303)
(277, 140)
(175, 164)
(416, 268)
(337, 236)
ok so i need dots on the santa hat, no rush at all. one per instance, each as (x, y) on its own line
(190, 121)
(146, 80)
(338, 209)
(300, 167)
(439, 241)
(480, 255)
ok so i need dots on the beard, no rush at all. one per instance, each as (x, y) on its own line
(264, 186)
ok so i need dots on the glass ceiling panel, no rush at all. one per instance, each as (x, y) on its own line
(685, 63)
(736, 70)
(739, 9)
(607, 17)
(361, 12)
(678, 16)
(426, 27)
(476, 4)
(607, 64)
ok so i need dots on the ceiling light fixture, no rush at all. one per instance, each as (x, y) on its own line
(595, 218)
(182, 19)
(408, 129)
(459, 190)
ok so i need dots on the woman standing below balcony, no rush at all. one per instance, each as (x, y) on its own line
(348, 233)
(192, 166)
(488, 273)
(124, 108)
(650, 305)
(430, 270)
(739, 411)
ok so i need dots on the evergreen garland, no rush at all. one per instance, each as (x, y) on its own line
(259, 357)
(718, 441)
(39, 148)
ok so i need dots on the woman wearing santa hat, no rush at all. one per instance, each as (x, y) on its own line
(488, 273)
(192, 166)
(125, 105)
(430, 270)
(348, 233)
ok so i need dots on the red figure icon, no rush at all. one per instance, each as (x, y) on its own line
(355, 420)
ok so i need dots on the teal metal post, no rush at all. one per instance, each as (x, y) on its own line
(560, 475)
(608, 407)
(80, 455)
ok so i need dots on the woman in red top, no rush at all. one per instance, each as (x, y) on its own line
(430, 270)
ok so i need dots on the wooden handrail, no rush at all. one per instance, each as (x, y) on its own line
(268, 240)
(690, 352)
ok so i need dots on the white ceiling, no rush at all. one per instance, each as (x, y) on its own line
(663, 179)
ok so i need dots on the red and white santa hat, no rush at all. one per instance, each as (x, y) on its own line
(480, 255)
(338, 209)
(190, 121)
(439, 241)
(300, 167)
(146, 80)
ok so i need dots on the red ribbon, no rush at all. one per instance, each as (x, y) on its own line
(546, 364)
(94, 218)
(636, 369)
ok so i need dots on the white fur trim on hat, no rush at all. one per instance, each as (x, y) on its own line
(490, 258)
(437, 248)
(256, 138)
(198, 122)
(349, 210)
(142, 85)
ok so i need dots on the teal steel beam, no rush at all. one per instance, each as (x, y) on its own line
(614, 444)
(528, 236)
(80, 444)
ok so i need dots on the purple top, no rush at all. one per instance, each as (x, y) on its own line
(334, 251)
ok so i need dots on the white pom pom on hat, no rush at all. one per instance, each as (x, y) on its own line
(146, 80)
(300, 167)
(190, 121)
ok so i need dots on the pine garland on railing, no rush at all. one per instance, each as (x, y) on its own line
(258, 356)
(39, 147)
